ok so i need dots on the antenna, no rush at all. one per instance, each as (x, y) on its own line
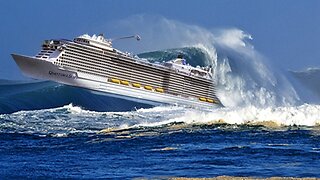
(137, 37)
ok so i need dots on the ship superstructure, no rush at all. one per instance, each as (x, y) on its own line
(91, 62)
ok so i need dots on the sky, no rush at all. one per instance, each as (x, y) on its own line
(286, 32)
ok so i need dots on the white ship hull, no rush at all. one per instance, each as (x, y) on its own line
(46, 69)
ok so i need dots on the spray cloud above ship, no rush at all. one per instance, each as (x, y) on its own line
(244, 76)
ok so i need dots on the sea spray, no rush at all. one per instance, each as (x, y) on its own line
(304, 115)
(243, 76)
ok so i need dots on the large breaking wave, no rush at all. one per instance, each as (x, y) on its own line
(243, 76)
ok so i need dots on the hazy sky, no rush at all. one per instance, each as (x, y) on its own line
(287, 32)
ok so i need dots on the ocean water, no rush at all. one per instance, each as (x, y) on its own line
(269, 125)
(69, 142)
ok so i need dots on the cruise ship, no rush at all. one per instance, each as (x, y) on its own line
(91, 62)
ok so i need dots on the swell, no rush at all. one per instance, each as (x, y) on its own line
(32, 95)
(308, 83)
(195, 56)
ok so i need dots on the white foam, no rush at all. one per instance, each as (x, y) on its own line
(304, 115)
(62, 121)
(159, 109)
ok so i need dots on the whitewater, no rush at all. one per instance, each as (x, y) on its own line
(268, 118)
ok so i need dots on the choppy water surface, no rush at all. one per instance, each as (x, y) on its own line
(70, 142)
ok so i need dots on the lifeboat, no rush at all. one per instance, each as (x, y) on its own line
(148, 88)
(210, 100)
(137, 85)
(160, 90)
(202, 99)
(124, 83)
(115, 80)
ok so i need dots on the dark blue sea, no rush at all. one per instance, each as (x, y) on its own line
(265, 129)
